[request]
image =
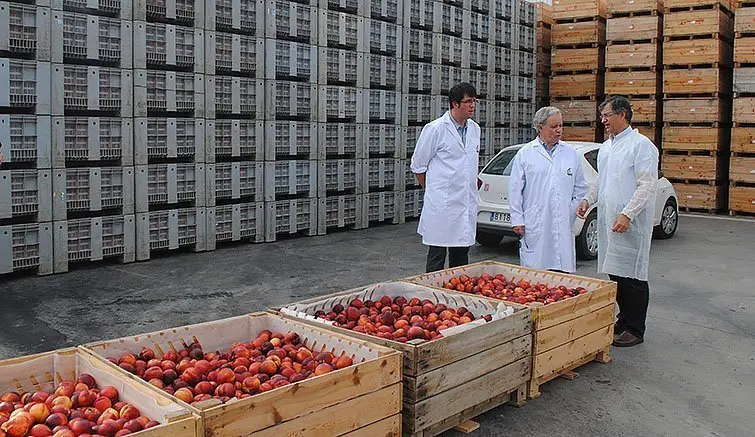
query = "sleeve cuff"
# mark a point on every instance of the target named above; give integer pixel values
(416, 170)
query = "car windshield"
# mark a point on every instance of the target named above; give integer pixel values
(501, 164)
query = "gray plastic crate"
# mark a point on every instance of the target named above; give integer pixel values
(26, 139)
(382, 140)
(503, 9)
(444, 77)
(26, 193)
(419, 14)
(384, 10)
(94, 239)
(170, 230)
(524, 113)
(236, 16)
(525, 63)
(382, 173)
(340, 30)
(92, 189)
(525, 37)
(81, 139)
(161, 92)
(350, 6)
(290, 217)
(418, 45)
(479, 29)
(160, 138)
(101, 89)
(481, 112)
(525, 89)
(290, 100)
(385, 206)
(295, 178)
(381, 71)
(339, 176)
(500, 85)
(410, 179)
(341, 139)
(526, 13)
(450, 50)
(115, 8)
(90, 38)
(227, 53)
(169, 184)
(340, 67)
(484, 149)
(287, 60)
(499, 138)
(234, 140)
(25, 86)
(168, 45)
(241, 221)
(450, 20)
(234, 181)
(501, 113)
(339, 212)
(340, 103)
(502, 33)
(382, 38)
(417, 78)
(382, 106)
(229, 96)
(418, 109)
(26, 247)
(525, 134)
(291, 21)
(479, 79)
(413, 201)
(287, 139)
(480, 55)
(500, 60)
(25, 30)
(410, 137)
(186, 12)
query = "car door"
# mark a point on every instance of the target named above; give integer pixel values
(494, 188)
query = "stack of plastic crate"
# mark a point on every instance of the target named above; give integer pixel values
(25, 139)
(92, 132)
(169, 126)
(523, 58)
(501, 124)
(235, 51)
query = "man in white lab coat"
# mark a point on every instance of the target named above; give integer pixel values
(445, 163)
(626, 190)
(545, 187)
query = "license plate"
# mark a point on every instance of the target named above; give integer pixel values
(503, 217)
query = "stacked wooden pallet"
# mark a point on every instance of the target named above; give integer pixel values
(578, 65)
(634, 62)
(544, 17)
(697, 83)
(742, 164)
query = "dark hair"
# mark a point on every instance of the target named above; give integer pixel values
(457, 93)
(618, 104)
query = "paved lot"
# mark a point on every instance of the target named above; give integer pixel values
(693, 376)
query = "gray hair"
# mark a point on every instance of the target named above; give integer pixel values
(542, 115)
(618, 104)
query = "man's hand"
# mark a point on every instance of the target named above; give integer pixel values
(519, 230)
(621, 224)
(582, 209)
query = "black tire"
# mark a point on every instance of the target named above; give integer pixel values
(669, 221)
(488, 240)
(584, 242)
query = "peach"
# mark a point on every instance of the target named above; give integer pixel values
(343, 361)
(80, 426)
(108, 428)
(16, 427)
(323, 368)
(122, 432)
(40, 430)
(102, 403)
(64, 401)
(129, 412)
(56, 419)
(65, 388)
(185, 395)
(225, 375)
(110, 413)
(269, 367)
(226, 389)
(63, 432)
(39, 412)
(190, 375)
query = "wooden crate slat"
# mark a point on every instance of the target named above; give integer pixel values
(549, 338)
(742, 169)
(696, 110)
(744, 80)
(697, 51)
(543, 37)
(744, 20)
(644, 110)
(592, 58)
(585, 32)
(742, 199)
(543, 13)
(698, 22)
(702, 196)
(549, 364)
(633, 28)
(578, 111)
(698, 80)
(640, 83)
(670, 4)
(389, 427)
(693, 138)
(709, 168)
(744, 110)
(572, 308)
(744, 50)
(580, 133)
(577, 85)
(649, 131)
(626, 6)
(632, 55)
(743, 139)
(569, 9)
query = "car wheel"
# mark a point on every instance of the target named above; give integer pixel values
(669, 221)
(489, 240)
(587, 240)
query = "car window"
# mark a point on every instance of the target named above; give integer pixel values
(592, 158)
(501, 164)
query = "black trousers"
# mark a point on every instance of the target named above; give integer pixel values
(633, 297)
(436, 257)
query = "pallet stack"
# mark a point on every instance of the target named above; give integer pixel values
(544, 13)
(742, 163)
(697, 83)
(524, 69)
(578, 66)
(634, 31)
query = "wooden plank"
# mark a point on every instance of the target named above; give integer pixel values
(700, 195)
(467, 426)
(633, 28)
(592, 58)
(550, 338)
(576, 85)
(644, 110)
(692, 167)
(568, 309)
(691, 3)
(579, 133)
(697, 51)
(742, 199)
(744, 20)
(743, 139)
(698, 80)
(543, 13)
(632, 55)
(337, 419)
(578, 111)
(554, 361)
(586, 32)
(649, 131)
(543, 60)
(744, 110)
(388, 427)
(692, 138)
(626, 6)
(543, 37)
(744, 79)
(568, 9)
(632, 83)
(695, 110)
(698, 22)
(742, 169)
(744, 50)
(439, 380)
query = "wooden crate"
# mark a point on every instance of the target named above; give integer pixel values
(581, 133)
(640, 55)
(698, 22)
(543, 59)
(695, 110)
(693, 138)
(584, 32)
(693, 167)
(543, 13)
(570, 60)
(744, 50)
(614, 7)
(343, 401)
(673, 4)
(744, 21)
(744, 80)
(566, 334)
(742, 199)
(697, 81)
(634, 28)
(571, 9)
(650, 131)
(744, 110)
(543, 36)
(644, 110)
(578, 111)
(697, 51)
(447, 376)
(742, 169)
(704, 196)
(577, 85)
(743, 139)
(628, 83)
(44, 371)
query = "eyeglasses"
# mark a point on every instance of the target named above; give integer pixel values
(605, 116)
(467, 101)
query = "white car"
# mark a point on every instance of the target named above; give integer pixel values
(494, 218)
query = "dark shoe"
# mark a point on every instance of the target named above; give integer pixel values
(618, 329)
(626, 339)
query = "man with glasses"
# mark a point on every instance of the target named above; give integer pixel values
(546, 184)
(445, 163)
(625, 192)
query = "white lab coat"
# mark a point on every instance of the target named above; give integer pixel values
(627, 182)
(449, 213)
(544, 192)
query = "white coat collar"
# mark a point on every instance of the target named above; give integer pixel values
(622, 134)
(451, 125)
(540, 147)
